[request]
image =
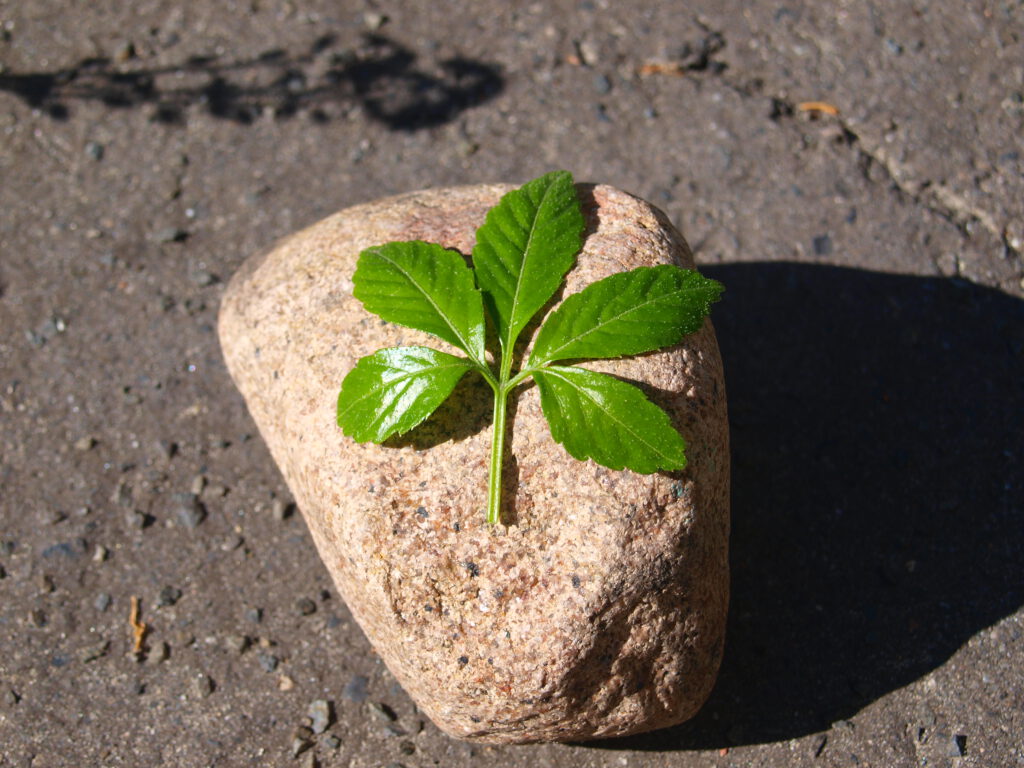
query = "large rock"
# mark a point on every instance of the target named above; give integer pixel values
(601, 610)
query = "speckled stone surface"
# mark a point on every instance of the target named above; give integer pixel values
(601, 610)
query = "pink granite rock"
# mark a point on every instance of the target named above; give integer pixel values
(601, 611)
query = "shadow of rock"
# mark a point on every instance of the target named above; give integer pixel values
(878, 503)
(325, 81)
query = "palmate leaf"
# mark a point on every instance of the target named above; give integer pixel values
(596, 416)
(423, 286)
(625, 314)
(394, 389)
(527, 243)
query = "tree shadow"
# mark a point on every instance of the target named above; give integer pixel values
(381, 75)
(877, 426)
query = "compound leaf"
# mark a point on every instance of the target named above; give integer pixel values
(394, 389)
(625, 314)
(599, 417)
(423, 286)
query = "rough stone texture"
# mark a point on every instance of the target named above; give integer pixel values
(601, 611)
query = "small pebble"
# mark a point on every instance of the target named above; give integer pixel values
(189, 509)
(957, 746)
(203, 278)
(407, 748)
(281, 510)
(101, 554)
(198, 484)
(374, 20)
(320, 715)
(331, 741)
(588, 52)
(138, 519)
(254, 615)
(166, 448)
(51, 516)
(382, 711)
(308, 760)
(216, 491)
(268, 661)
(168, 596)
(285, 683)
(305, 606)
(395, 730)
(182, 638)
(93, 652)
(237, 643)
(102, 601)
(822, 245)
(171, 235)
(94, 150)
(37, 617)
(122, 494)
(602, 84)
(302, 739)
(124, 52)
(158, 653)
(85, 443)
(46, 584)
(202, 685)
(11, 698)
(818, 745)
(355, 689)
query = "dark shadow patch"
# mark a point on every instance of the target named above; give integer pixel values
(877, 426)
(383, 76)
(468, 410)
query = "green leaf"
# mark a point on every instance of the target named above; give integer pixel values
(598, 417)
(625, 314)
(423, 286)
(527, 243)
(394, 389)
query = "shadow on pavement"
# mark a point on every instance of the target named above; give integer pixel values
(878, 501)
(381, 75)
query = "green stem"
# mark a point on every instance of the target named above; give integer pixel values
(497, 456)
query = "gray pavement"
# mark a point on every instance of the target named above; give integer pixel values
(873, 334)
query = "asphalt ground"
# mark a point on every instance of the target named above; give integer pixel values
(853, 173)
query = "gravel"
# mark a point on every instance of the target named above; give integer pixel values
(189, 509)
(158, 652)
(331, 741)
(302, 739)
(281, 510)
(168, 596)
(202, 685)
(268, 661)
(382, 711)
(237, 643)
(321, 714)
